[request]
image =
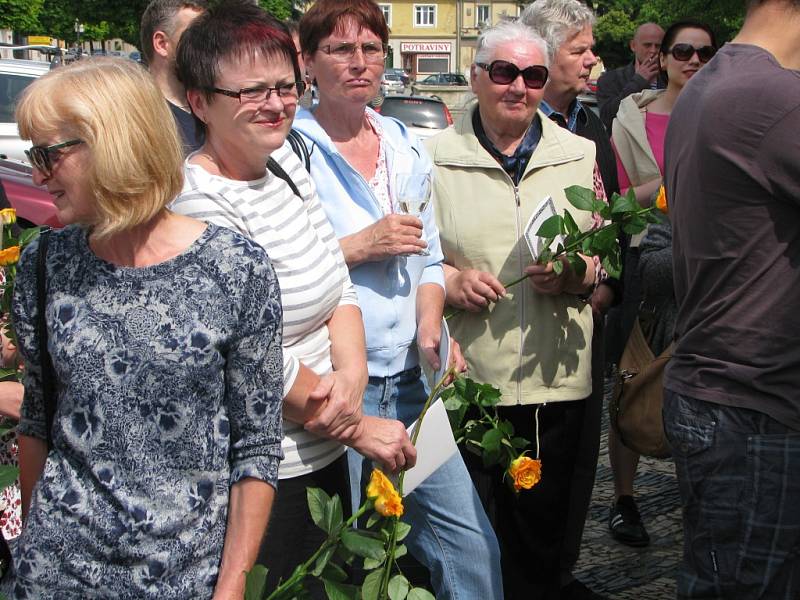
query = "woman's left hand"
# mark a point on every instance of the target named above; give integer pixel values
(342, 393)
(429, 333)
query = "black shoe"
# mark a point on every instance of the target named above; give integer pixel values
(575, 590)
(626, 525)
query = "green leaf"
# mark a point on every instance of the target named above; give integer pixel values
(28, 235)
(371, 588)
(402, 531)
(604, 240)
(372, 563)
(333, 516)
(577, 263)
(580, 197)
(488, 395)
(419, 594)
(519, 442)
(558, 267)
(255, 583)
(373, 519)
(625, 204)
(322, 560)
(362, 544)
(398, 587)
(317, 500)
(400, 550)
(8, 476)
(492, 457)
(340, 591)
(456, 417)
(634, 225)
(491, 440)
(552, 227)
(571, 225)
(506, 427)
(334, 572)
(611, 264)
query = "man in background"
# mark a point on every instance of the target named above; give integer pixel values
(732, 397)
(642, 73)
(163, 23)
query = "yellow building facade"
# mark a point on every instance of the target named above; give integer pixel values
(439, 37)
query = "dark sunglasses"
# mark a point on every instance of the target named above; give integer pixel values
(685, 51)
(44, 157)
(503, 72)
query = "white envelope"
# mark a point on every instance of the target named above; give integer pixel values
(435, 445)
(544, 211)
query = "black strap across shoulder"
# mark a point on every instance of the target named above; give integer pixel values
(299, 147)
(46, 363)
(278, 171)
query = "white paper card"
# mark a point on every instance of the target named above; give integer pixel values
(544, 211)
(444, 357)
(435, 445)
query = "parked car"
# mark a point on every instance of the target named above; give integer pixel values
(401, 72)
(391, 82)
(136, 56)
(423, 115)
(444, 79)
(15, 76)
(33, 204)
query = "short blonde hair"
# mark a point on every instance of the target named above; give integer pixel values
(115, 108)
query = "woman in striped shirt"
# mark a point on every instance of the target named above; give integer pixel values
(240, 70)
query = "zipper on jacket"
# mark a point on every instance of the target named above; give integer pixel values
(522, 292)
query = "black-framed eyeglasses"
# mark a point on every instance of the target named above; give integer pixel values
(503, 72)
(44, 157)
(343, 51)
(287, 92)
(683, 52)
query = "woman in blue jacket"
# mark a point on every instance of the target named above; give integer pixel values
(355, 157)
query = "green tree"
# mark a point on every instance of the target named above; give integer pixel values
(281, 9)
(618, 19)
(20, 15)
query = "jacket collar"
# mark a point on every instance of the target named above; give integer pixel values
(460, 146)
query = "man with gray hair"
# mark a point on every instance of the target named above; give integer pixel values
(493, 169)
(163, 23)
(642, 73)
(567, 26)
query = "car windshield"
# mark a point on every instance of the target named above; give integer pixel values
(11, 87)
(415, 112)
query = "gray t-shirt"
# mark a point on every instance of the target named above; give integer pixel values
(732, 164)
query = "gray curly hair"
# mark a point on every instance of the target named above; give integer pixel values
(555, 20)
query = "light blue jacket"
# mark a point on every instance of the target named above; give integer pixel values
(387, 290)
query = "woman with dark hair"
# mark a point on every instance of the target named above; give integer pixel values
(638, 134)
(395, 263)
(242, 77)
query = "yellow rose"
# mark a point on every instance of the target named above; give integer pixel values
(9, 256)
(387, 501)
(8, 216)
(661, 200)
(526, 472)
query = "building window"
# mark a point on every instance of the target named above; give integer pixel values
(482, 15)
(386, 9)
(424, 15)
(433, 64)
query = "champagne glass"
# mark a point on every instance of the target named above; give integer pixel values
(412, 194)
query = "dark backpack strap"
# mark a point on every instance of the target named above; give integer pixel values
(278, 171)
(46, 363)
(299, 147)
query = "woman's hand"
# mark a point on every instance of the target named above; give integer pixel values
(546, 281)
(457, 360)
(393, 235)
(471, 289)
(11, 393)
(429, 333)
(341, 393)
(384, 441)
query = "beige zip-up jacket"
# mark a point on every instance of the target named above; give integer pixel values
(535, 348)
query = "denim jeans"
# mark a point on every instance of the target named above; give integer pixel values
(450, 533)
(740, 490)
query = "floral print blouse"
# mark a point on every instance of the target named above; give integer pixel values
(170, 383)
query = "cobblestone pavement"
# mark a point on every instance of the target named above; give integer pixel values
(619, 571)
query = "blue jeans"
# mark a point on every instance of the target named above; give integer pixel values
(738, 476)
(450, 533)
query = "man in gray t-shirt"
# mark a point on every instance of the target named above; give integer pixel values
(732, 401)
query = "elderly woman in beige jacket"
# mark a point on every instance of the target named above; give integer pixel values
(492, 171)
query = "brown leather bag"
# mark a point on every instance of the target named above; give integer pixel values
(635, 406)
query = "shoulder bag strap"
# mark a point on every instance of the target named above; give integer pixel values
(299, 147)
(46, 363)
(278, 171)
